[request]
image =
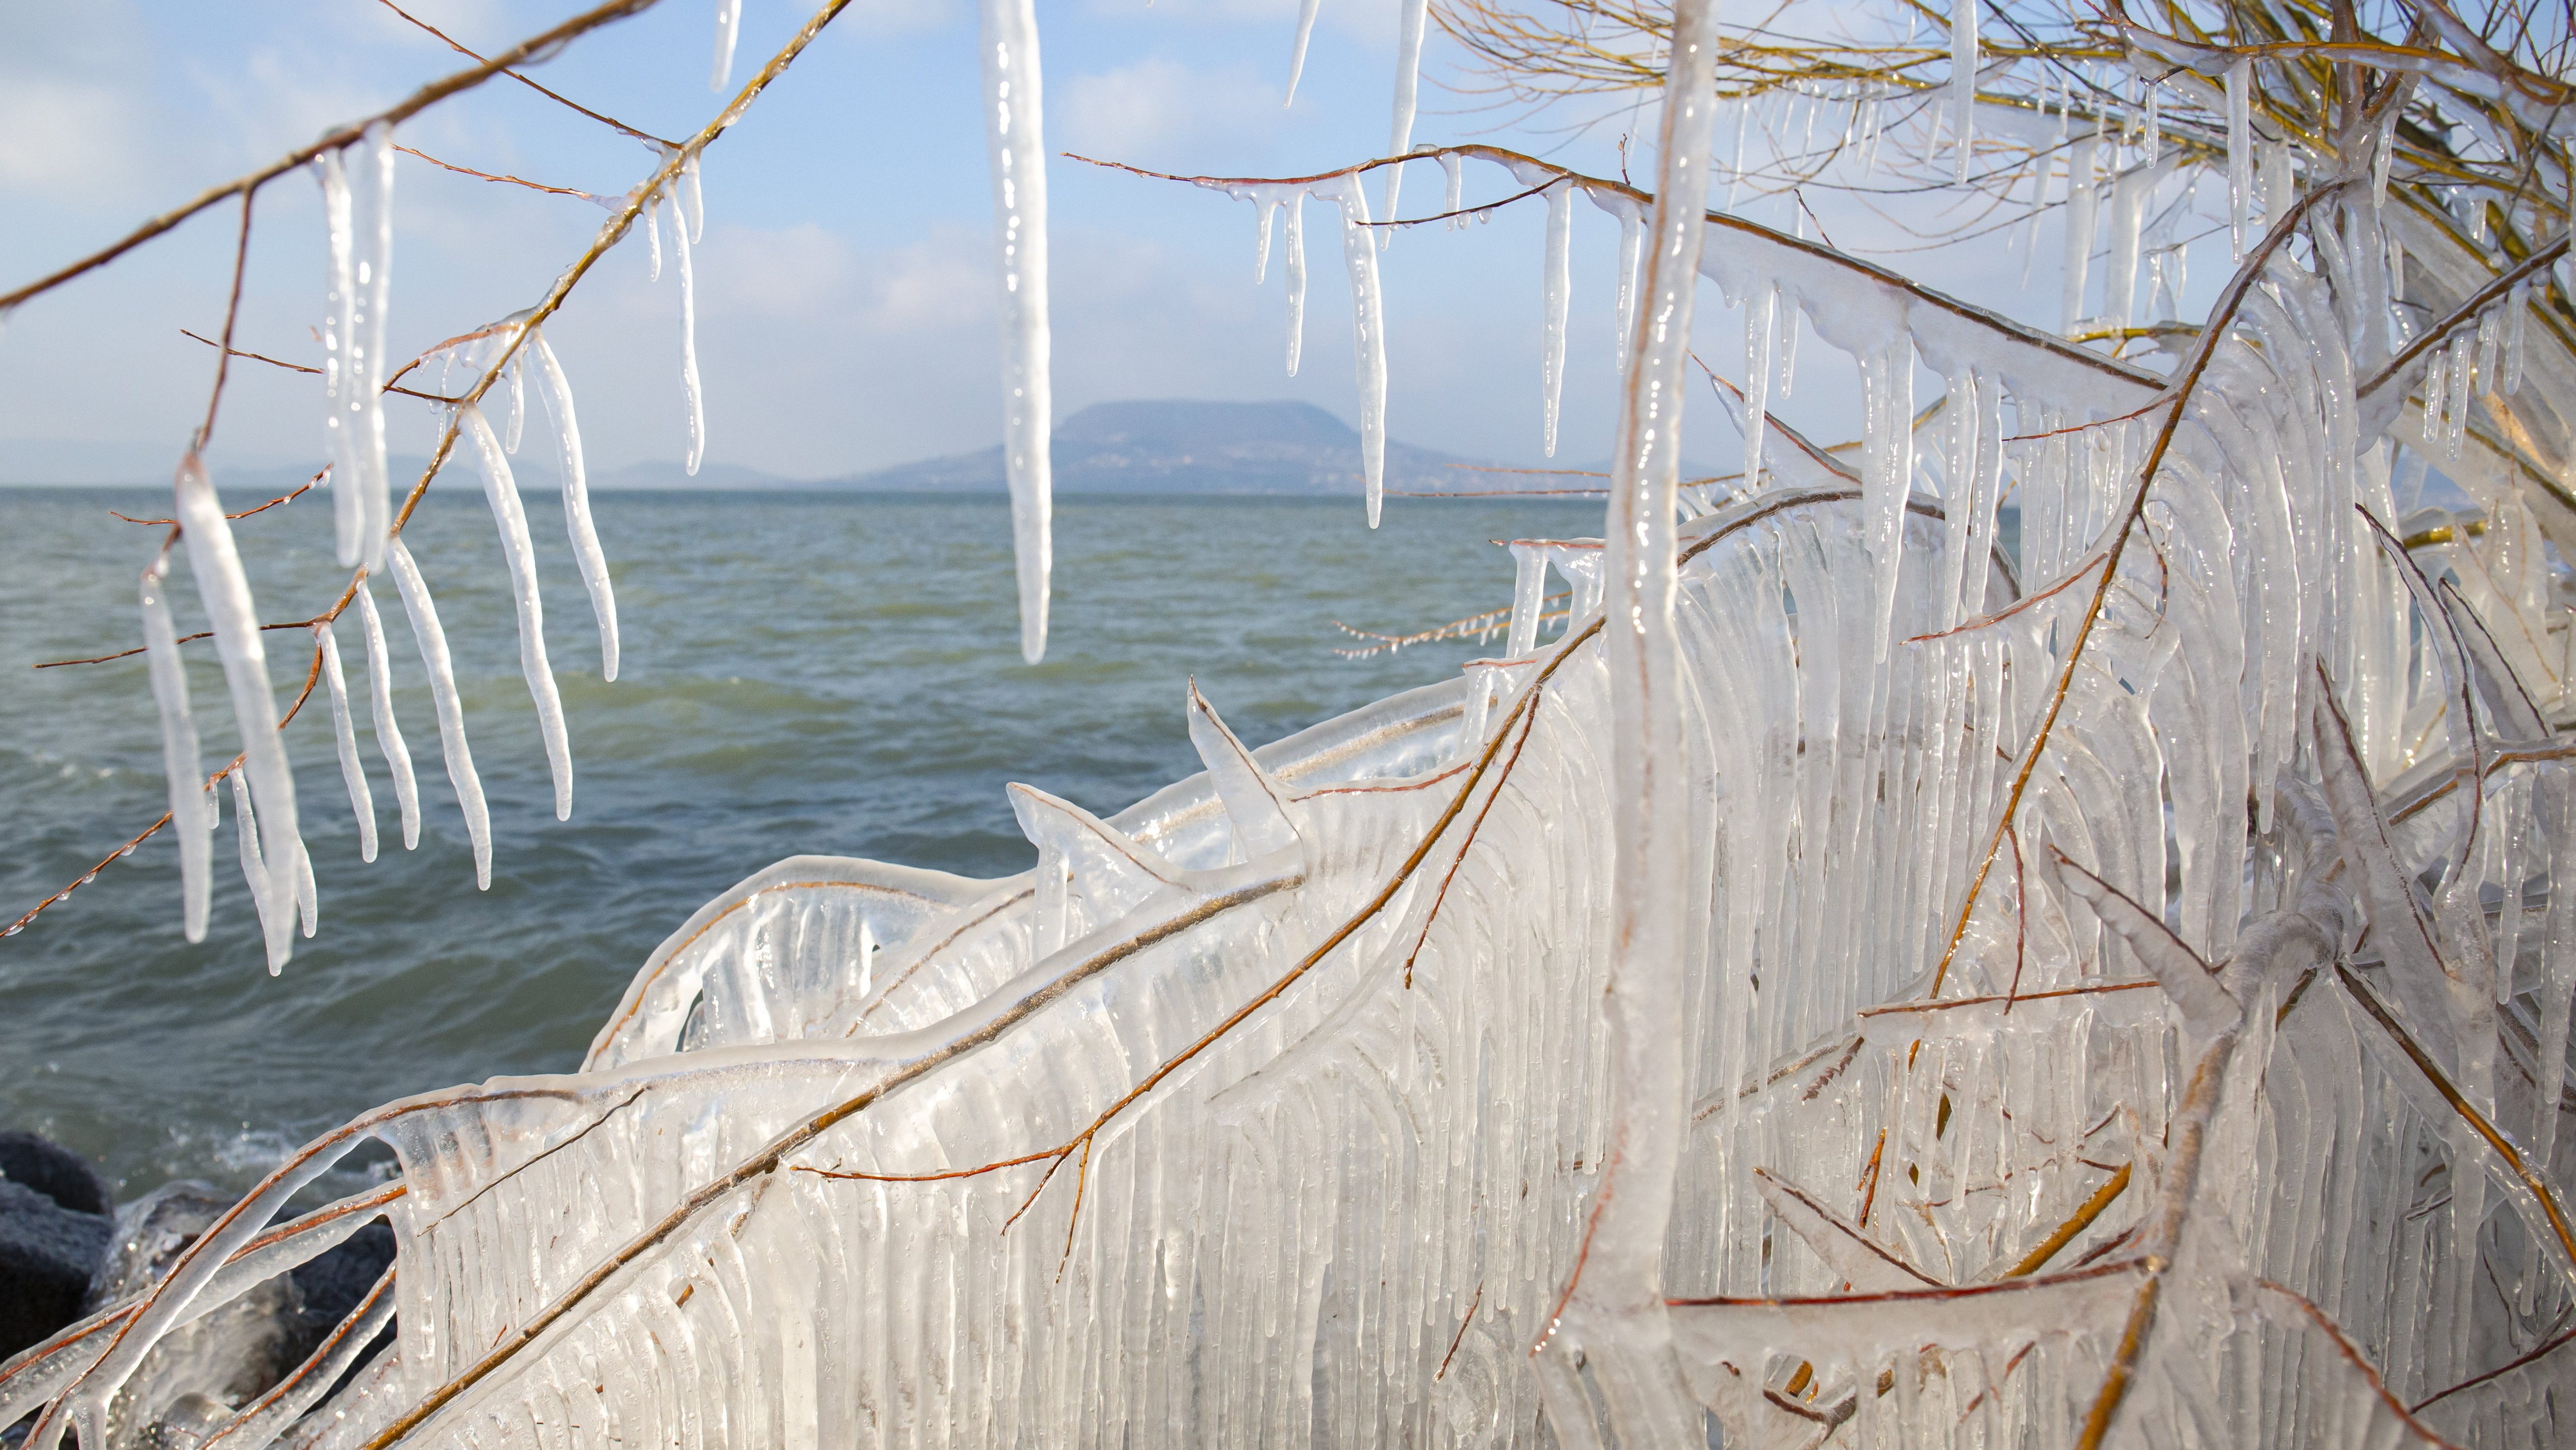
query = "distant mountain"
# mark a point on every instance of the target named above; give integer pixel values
(1186, 446)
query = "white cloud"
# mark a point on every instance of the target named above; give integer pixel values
(1162, 113)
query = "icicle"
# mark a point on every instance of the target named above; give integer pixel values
(1554, 300)
(1306, 13)
(362, 802)
(1529, 595)
(263, 897)
(2081, 202)
(1649, 833)
(2279, 188)
(2155, 123)
(451, 712)
(1368, 329)
(2437, 382)
(340, 382)
(308, 897)
(2480, 230)
(1761, 332)
(576, 500)
(502, 492)
(1452, 200)
(1411, 17)
(1632, 241)
(653, 235)
(374, 279)
(2457, 431)
(2517, 308)
(1265, 211)
(1012, 114)
(1735, 168)
(1296, 277)
(180, 759)
(2240, 155)
(728, 21)
(1887, 384)
(389, 736)
(689, 348)
(1963, 79)
(225, 591)
(690, 201)
(2490, 337)
(2130, 196)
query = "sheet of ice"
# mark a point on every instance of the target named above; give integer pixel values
(344, 733)
(501, 491)
(451, 711)
(1012, 116)
(181, 759)
(389, 736)
(225, 591)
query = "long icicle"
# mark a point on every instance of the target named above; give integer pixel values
(728, 23)
(1632, 242)
(255, 873)
(689, 345)
(1555, 290)
(1306, 13)
(340, 382)
(1296, 278)
(180, 755)
(374, 280)
(353, 772)
(2240, 156)
(1963, 80)
(1368, 330)
(1012, 114)
(225, 591)
(557, 391)
(451, 712)
(389, 736)
(1411, 18)
(501, 490)
(1615, 1304)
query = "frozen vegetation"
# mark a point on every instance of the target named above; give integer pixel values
(1874, 976)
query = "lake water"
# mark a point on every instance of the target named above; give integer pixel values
(824, 673)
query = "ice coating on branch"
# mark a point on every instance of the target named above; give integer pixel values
(1307, 10)
(451, 711)
(2240, 155)
(557, 391)
(1368, 329)
(225, 592)
(1963, 81)
(180, 757)
(1296, 277)
(689, 348)
(344, 734)
(1555, 293)
(389, 736)
(1412, 16)
(1012, 113)
(728, 21)
(501, 490)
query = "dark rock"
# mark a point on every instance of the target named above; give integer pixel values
(330, 1286)
(47, 1253)
(54, 1171)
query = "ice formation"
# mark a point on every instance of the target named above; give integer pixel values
(1884, 974)
(1012, 116)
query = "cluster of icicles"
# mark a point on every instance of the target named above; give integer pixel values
(2216, 1064)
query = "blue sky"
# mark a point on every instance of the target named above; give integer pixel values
(845, 303)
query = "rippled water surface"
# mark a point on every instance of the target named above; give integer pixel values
(802, 673)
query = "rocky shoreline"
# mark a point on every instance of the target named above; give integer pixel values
(68, 1250)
